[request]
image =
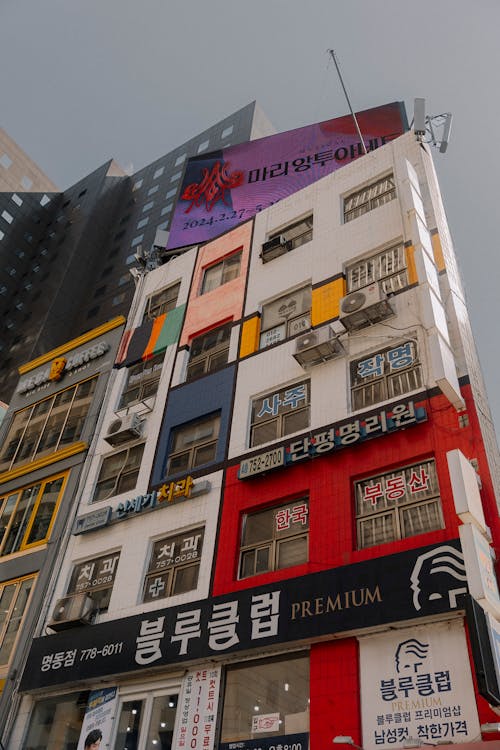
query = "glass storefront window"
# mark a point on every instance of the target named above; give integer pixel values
(56, 722)
(129, 725)
(277, 686)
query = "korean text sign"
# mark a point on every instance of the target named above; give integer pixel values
(224, 188)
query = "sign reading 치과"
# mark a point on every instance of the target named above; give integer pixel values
(225, 188)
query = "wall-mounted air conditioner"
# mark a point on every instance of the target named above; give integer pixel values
(274, 248)
(364, 307)
(70, 611)
(316, 346)
(123, 429)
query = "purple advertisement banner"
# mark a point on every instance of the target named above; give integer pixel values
(225, 188)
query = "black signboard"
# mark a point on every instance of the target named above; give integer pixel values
(484, 663)
(412, 584)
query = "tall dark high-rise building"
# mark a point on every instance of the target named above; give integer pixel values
(65, 255)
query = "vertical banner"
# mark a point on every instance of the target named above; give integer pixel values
(198, 710)
(416, 684)
(98, 719)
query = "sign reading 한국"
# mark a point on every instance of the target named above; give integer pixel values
(225, 188)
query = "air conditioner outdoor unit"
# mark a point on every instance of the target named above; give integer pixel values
(124, 429)
(274, 248)
(70, 611)
(317, 346)
(364, 307)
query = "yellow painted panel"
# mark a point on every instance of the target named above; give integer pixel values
(438, 252)
(410, 264)
(2, 684)
(250, 336)
(73, 344)
(325, 301)
(19, 471)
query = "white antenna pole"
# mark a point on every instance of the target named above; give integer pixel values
(332, 53)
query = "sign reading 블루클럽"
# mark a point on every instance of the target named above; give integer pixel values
(225, 188)
(406, 586)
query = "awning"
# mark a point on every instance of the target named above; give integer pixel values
(152, 337)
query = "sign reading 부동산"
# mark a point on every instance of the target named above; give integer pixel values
(225, 188)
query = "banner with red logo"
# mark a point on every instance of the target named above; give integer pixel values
(225, 188)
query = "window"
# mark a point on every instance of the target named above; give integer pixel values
(227, 131)
(142, 381)
(221, 273)
(286, 316)
(56, 722)
(147, 206)
(294, 235)
(14, 601)
(369, 197)
(7, 217)
(27, 516)
(82, 193)
(95, 577)
(118, 473)
(174, 565)
(166, 210)
(17, 200)
(153, 190)
(175, 176)
(158, 173)
(280, 413)
(142, 223)
(6, 161)
(44, 200)
(389, 373)
(203, 146)
(171, 193)
(275, 687)
(387, 267)
(146, 721)
(48, 425)
(274, 538)
(161, 302)
(398, 504)
(193, 444)
(179, 160)
(137, 240)
(137, 184)
(209, 352)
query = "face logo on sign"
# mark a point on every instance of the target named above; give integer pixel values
(434, 575)
(410, 655)
(57, 368)
(213, 186)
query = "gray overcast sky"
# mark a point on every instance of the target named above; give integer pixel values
(81, 82)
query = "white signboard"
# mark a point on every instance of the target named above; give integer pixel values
(198, 709)
(98, 719)
(480, 568)
(464, 484)
(265, 723)
(416, 683)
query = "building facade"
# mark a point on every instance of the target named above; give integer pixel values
(65, 255)
(292, 495)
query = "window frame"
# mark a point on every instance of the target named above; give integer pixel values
(207, 356)
(295, 240)
(221, 268)
(384, 387)
(365, 204)
(156, 305)
(25, 544)
(274, 542)
(177, 432)
(124, 471)
(150, 373)
(171, 573)
(395, 512)
(107, 589)
(22, 429)
(280, 419)
(4, 628)
(370, 270)
(294, 324)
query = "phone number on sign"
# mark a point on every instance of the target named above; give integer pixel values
(269, 460)
(107, 650)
